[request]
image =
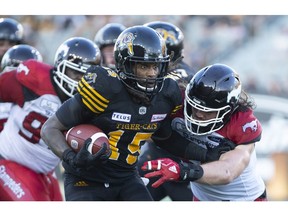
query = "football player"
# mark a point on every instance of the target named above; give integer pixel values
(37, 90)
(182, 72)
(129, 105)
(11, 33)
(10, 61)
(105, 39)
(216, 110)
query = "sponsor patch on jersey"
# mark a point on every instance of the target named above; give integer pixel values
(158, 117)
(49, 105)
(122, 117)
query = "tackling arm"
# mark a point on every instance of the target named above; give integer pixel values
(181, 147)
(230, 165)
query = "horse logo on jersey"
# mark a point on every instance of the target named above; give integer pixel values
(126, 41)
(253, 125)
(24, 68)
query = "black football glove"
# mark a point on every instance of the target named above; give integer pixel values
(84, 159)
(214, 152)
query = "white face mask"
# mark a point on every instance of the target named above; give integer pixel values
(65, 83)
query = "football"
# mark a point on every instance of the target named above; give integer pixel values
(77, 135)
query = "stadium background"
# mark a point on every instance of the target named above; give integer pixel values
(255, 45)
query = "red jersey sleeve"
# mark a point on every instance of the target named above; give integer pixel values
(35, 76)
(10, 88)
(243, 128)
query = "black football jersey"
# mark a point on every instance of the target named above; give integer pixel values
(182, 71)
(105, 102)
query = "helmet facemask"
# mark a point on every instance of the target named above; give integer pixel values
(148, 86)
(214, 92)
(202, 127)
(65, 83)
(72, 59)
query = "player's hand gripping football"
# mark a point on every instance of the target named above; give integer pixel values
(169, 170)
(84, 158)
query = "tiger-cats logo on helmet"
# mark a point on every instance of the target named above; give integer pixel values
(126, 41)
(167, 35)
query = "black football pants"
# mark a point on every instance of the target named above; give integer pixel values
(77, 189)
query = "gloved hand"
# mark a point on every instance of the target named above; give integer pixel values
(169, 170)
(84, 159)
(214, 152)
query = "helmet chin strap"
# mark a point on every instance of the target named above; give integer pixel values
(145, 89)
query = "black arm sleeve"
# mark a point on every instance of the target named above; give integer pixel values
(181, 147)
(72, 112)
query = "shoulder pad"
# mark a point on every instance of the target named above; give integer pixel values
(95, 87)
(35, 76)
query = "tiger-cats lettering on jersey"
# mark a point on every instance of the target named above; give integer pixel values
(137, 127)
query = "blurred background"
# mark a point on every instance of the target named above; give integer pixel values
(255, 45)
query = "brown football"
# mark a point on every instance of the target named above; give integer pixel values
(77, 135)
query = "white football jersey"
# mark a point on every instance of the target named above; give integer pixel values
(248, 186)
(20, 139)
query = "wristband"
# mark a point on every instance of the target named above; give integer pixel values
(190, 171)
